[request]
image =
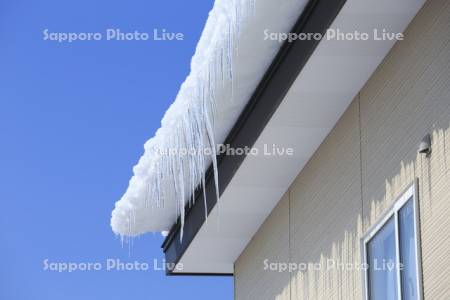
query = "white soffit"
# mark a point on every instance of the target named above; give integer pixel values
(328, 83)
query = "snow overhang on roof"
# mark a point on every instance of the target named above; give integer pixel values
(225, 71)
(306, 87)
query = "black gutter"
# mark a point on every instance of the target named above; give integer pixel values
(290, 60)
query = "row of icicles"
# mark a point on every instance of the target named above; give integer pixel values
(194, 128)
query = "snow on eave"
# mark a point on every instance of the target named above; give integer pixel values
(203, 112)
(187, 124)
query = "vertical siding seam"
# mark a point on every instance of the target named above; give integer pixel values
(360, 162)
(361, 177)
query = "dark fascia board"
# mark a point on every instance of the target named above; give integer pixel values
(290, 60)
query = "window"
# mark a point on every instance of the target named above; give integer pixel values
(391, 252)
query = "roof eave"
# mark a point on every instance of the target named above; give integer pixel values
(290, 60)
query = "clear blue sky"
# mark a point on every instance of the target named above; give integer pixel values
(73, 120)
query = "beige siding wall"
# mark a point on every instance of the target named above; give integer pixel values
(366, 162)
(407, 97)
(251, 281)
(325, 215)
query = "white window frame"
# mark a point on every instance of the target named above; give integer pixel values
(411, 191)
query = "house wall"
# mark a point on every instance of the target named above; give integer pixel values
(365, 163)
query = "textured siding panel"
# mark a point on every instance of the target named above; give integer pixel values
(326, 210)
(271, 243)
(326, 216)
(407, 97)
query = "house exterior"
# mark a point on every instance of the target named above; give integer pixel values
(361, 169)
(369, 185)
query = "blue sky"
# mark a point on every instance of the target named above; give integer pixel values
(73, 120)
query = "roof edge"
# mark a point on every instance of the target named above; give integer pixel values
(317, 16)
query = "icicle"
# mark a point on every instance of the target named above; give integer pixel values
(192, 127)
(210, 132)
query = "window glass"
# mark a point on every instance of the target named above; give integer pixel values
(381, 256)
(408, 251)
